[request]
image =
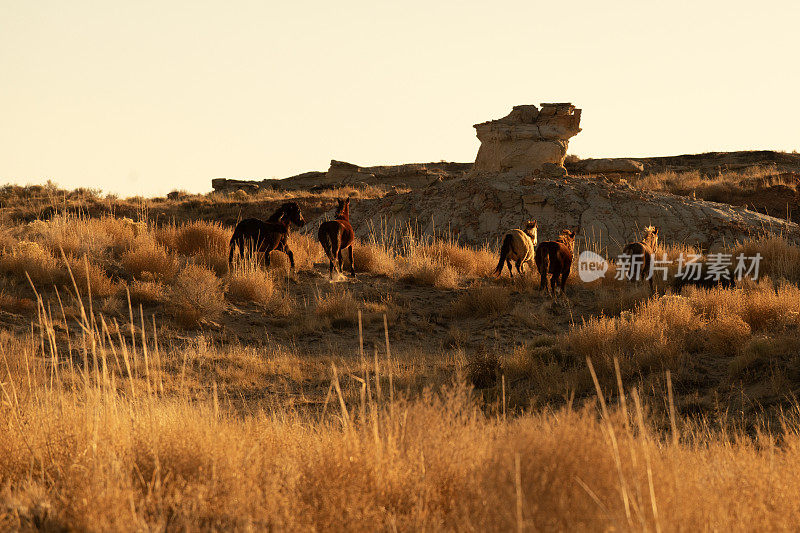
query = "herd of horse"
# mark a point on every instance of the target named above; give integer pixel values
(260, 238)
(553, 259)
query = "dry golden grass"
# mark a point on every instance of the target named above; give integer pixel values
(200, 237)
(482, 300)
(35, 260)
(466, 261)
(423, 270)
(149, 259)
(663, 332)
(436, 462)
(250, 283)
(780, 258)
(148, 292)
(338, 307)
(715, 188)
(196, 296)
(374, 258)
(306, 250)
(204, 434)
(91, 278)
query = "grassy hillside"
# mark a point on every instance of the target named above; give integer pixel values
(144, 384)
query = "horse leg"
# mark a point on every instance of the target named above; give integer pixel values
(288, 252)
(564, 276)
(352, 263)
(519, 264)
(510, 271)
(339, 257)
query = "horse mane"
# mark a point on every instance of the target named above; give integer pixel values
(281, 212)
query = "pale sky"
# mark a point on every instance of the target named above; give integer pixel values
(143, 97)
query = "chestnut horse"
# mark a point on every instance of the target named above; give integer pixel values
(640, 255)
(555, 257)
(338, 235)
(263, 237)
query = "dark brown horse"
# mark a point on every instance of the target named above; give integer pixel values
(338, 235)
(263, 237)
(555, 257)
(640, 256)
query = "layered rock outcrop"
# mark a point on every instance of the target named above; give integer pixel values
(528, 139)
(340, 173)
(481, 208)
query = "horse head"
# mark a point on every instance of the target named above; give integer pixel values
(343, 209)
(567, 238)
(650, 237)
(531, 228)
(292, 212)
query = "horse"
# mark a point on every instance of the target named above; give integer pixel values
(641, 255)
(519, 245)
(264, 237)
(338, 235)
(555, 257)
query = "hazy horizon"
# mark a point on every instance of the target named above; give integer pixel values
(148, 97)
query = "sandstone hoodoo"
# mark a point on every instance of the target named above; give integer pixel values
(528, 139)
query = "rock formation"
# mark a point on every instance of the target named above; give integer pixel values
(528, 139)
(610, 166)
(480, 209)
(340, 173)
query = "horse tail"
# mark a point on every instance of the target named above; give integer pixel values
(232, 247)
(504, 250)
(327, 242)
(544, 267)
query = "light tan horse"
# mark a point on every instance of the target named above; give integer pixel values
(641, 255)
(519, 245)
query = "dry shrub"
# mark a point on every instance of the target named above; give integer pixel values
(664, 331)
(762, 352)
(423, 270)
(780, 258)
(482, 300)
(339, 307)
(147, 292)
(760, 305)
(33, 258)
(279, 265)
(306, 250)
(466, 261)
(483, 369)
(91, 278)
(148, 259)
(78, 235)
(655, 333)
(250, 283)
(7, 239)
(16, 304)
(203, 238)
(374, 258)
(196, 296)
(725, 334)
(207, 242)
